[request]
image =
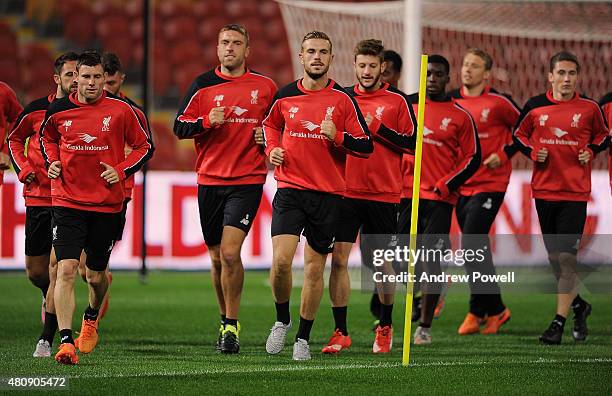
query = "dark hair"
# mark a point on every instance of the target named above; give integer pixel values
(371, 47)
(111, 63)
(390, 55)
(482, 54)
(62, 59)
(564, 56)
(439, 59)
(89, 58)
(317, 35)
(236, 28)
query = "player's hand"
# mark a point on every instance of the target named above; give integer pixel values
(493, 161)
(328, 128)
(54, 170)
(5, 161)
(277, 156)
(29, 178)
(368, 119)
(584, 156)
(542, 155)
(216, 116)
(259, 136)
(110, 174)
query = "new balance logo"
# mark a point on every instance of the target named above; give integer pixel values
(484, 115)
(112, 245)
(576, 120)
(254, 94)
(311, 126)
(64, 338)
(87, 138)
(292, 111)
(379, 111)
(239, 110)
(559, 132)
(54, 233)
(106, 124)
(543, 118)
(245, 221)
(66, 124)
(444, 124)
(218, 99)
(488, 204)
(331, 245)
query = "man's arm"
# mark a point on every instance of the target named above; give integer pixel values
(17, 139)
(139, 139)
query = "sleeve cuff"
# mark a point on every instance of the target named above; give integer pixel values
(443, 189)
(25, 171)
(268, 149)
(206, 123)
(339, 138)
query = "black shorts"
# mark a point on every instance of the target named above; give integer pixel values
(314, 213)
(75, 230)
(404, 216)
(123, 219)
(222, 206)
(373, 217)
(38, 230)
(562, 224)
(476, 213)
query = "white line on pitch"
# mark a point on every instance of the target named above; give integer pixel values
(298, 367)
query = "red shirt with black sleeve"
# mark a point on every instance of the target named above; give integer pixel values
(495, 116)
(379, 178)
(9, 111)
(606, 106)
(451, 152)
(80, 136)
(564, 128)
(311, 161)
(38, 192)
(227, 153)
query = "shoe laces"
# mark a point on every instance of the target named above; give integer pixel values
(383, 334)
(89, 327)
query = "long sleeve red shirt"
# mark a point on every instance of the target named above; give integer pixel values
(227, 154)
(81, 136)
(9, 111)
(379, 177)
(606, 106)
(311, 161)
(495, 116)
(564, 129)
(38, 192)
(451, 152)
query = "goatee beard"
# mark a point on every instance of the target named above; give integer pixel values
(315, 76)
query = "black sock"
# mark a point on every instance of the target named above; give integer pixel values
(44, 290)
(282, 312)
(375, 305)
(222, 319)
(559, 319)
(231, 322)
(66, 336)
(340, 319)
(423, 325)
(304, 330)
(386, 315)
(49, 328)
(91, 314)
(578, 304)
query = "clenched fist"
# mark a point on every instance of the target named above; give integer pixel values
(277, 156)
(216, 116)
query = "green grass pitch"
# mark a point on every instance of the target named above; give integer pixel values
(159, 339)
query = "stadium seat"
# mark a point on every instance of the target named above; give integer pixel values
(181, 28)
(10, 72)
(162, 77)
(184, 76)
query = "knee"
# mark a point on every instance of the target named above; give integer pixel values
(339, 263)
(282, 264)
(313, 272)
(66, 271)
(95, 278)
(230, 255)
(37, 269)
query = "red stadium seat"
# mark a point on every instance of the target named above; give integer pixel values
(185, 51)
(184, 76)
(162, 77)
(181, 28)
(10, 72)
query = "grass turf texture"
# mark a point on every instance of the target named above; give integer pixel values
(159, 338)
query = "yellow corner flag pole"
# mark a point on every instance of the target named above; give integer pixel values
(415, 210)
